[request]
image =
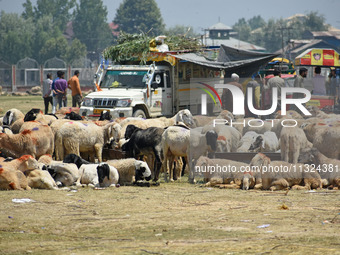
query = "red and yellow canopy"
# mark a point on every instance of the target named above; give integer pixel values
(318, 57)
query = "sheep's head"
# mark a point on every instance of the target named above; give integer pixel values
(307, 156)
(103, 170)
(257, 144)
(260, 160)
(185, 117)
(211, 138)
(142, 171)
(248, 181)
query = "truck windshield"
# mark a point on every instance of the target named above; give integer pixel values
(124, 78)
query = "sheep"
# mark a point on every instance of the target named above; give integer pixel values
(131, 170)
(76, 137)
(24, 163)
(11, 116)
(328, 168)
(231, 134)
(291, 114)
(222, 172)
(75, 159)
(200, 145)
(35, 142)
(175, 142)
(145, 142)
(64, 174)
(40, 179)
(267, 142)
(12, 180)
(246, 141)
(6, 130)
(98, 175)
(73, 116)
(105, 115)
(292, 140)
(12, 173)
(278, 175)
(325, 138)
(183, 116)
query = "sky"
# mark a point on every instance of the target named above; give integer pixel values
(201, 14)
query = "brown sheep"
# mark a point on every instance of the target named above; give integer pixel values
(326, 138)
(329, 168)
(12, 173)
(224, 173)
(278, 175)
(35, 142)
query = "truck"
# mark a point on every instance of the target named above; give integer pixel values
(161, 88)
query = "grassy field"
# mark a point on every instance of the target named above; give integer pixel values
(173, 218)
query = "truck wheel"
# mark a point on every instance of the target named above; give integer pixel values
(139, 113)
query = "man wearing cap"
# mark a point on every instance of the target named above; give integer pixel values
(227, 97)
(299, 82)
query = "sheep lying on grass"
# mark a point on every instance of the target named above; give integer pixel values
(131, 170)
(328, 168)
(278, 175)
(223, 173)
(98, 175)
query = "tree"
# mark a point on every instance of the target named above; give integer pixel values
(256, 22)
(135, 16)
(315, 22)
(16, 36)
(243, 29)
(58, 10)
(90, 26)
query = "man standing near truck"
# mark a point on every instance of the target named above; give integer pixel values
(74, 85)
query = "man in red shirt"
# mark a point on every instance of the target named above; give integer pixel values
(74, 85)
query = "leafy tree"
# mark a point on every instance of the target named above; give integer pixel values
(58, 10)
(135, 16)
(243, 29)
(256, 22)
(28, 12)
(90, 25)
(75, 51)
(15, 37)
(315, 22)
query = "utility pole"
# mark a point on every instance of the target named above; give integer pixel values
(282, 29)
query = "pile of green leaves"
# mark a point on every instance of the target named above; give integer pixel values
(132, 47)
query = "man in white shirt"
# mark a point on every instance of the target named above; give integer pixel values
(319, 82)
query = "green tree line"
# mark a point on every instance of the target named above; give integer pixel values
(41, 32)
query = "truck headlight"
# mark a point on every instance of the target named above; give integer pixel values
(123, 102)
(87, 101)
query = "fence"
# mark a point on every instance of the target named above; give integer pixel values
(27, 73)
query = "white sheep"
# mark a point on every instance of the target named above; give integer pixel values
(231, 134)
(292, 140)
(267, 142)
(201, 144)
(246, 141)
(131, 170)
(76, 137)
(175, 143)
(98, 175)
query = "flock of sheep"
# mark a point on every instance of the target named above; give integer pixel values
(50, 152)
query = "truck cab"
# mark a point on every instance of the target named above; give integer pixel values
(130, 90)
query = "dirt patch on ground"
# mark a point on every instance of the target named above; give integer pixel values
(174, 218)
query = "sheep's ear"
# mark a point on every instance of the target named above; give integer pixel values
(109, 130)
